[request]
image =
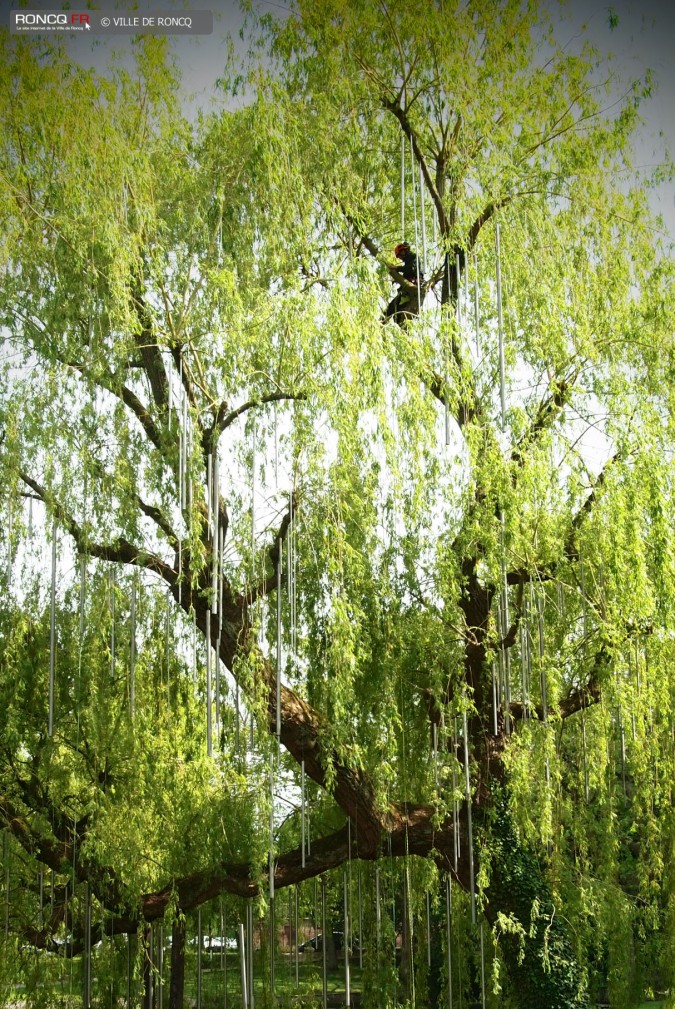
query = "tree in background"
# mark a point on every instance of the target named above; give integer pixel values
(384, 570)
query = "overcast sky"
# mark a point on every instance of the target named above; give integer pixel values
(644, 38)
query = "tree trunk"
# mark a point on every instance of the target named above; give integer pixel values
(177, 982)
(542, 966)
(331, 952)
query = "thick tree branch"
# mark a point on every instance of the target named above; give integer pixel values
(128, 397)
(547, 413)
(394, 106)
(570, 550)
(64, 857)
(225, 418)
(120, 551)
(153, 364)
(274, 554)
(159, 519)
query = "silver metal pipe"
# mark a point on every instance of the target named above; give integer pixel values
(52, 638)
(500, 321)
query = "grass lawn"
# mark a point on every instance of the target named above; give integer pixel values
(220, 984)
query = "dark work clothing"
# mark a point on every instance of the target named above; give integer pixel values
(411, 268)
(406, 304)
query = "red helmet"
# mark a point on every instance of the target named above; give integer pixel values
(401, 248)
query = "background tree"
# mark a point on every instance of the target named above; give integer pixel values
(198, 388)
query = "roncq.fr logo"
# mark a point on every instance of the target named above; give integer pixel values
(48, 19)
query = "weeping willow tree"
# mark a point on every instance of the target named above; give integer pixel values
(260, 548)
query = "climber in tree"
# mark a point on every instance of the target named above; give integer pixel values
(407, 303)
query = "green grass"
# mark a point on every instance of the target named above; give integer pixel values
(289, 993)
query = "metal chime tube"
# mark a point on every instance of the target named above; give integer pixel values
(276, 447)
(414, 189)
(209, 729)
(455, 823)
(216, 663)
(428, 903)
(160, 964)
(181, 437)
(289, 583)
(271, 849)
(272, 945)
(132, 650)
(83, 592)
(170, 392)
(528, 662)
(482, 966)
(495, 730)
(9, 541)
(223, 951)
(540, 623)
(167, 648)
(302, 811)
(242, 966)
(632, 713)
(309, 834)
(128, 971)
(623, 753)
(52, 637)
(87, 947)
(186, 450)
(253, 466)
(358, 880)
(523, 670)
(500, 322)
(544, 701)
(393, 899)
(434, 747)
(290, 574)
(585, 632)
(221, 573)
(323, 942)
(378, 908)
(446, 403)
(251, 992)
(409, 927)
(113, 582)
(5, 856)
(279, 644)
(316, 907)
(467, 781)
(448, 921)
(424, 226)
(199, 958)
(290, 933)
(216, 532)
(583, 595)
(458, 306)
(295, 930)
(237, 718)
(403, 189)
(209, 491)
(348, 997)
(584, 752)
(475, 304)
(221, 569)
(506, 657)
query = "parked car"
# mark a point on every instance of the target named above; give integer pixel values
(216, 943)
(316, 943)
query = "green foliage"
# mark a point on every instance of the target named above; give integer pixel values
(240, 254)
